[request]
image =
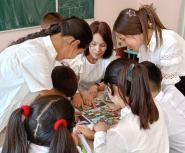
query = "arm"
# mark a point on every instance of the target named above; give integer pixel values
(169, 64)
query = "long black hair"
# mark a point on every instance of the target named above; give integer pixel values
(73, 26)
(38, 127)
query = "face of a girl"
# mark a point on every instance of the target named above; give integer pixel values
(97, 47)
(131, 41)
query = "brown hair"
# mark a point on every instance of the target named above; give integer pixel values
(104, 30)
(132, 22)
(134, 83)
(50, 18)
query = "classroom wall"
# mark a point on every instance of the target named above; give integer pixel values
(108, 10)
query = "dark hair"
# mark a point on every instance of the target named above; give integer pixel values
(154, 74)
(50, 18)
(140, 97)
(132, 22)
(64, 80)
(112, 72)
(104, 30)
(38, 128)
(73, 26)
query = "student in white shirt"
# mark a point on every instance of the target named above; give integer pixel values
(44, 127)
(142, 127)
(91, 65)
(172, 102)
(26, 66)
(142, 31)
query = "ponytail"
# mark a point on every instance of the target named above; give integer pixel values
(150, 20)
(53, 29)
(16, 137)
(62, 142)
(140, 98)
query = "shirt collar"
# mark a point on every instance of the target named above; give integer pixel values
(49, 46)
(159, 96)
(36, 148)
(125, 111)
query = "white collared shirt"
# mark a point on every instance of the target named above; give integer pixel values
(170, 57)
(127, 137)
(88, 73)
(33, 148)
(25, 69)
(172, 102)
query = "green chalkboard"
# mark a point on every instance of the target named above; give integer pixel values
(23, 13)
(80, 8)
(26, 13)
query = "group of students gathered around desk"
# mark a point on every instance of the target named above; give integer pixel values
(46, 75)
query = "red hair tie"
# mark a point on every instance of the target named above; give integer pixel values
(60, 122)
(26, 110)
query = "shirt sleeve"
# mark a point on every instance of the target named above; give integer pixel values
(36, 71)
(109, 143)
(169, 63)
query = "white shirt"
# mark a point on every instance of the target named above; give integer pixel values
(170, 57)
(25, 69)
(127, 137)
(172, 102)
(88, 73)
(33, 148)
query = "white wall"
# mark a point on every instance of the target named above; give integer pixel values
(108, 10)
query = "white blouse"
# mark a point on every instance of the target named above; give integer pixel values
(25, 69)
(127, 137)
(172, 102)
(170, 57)
(88, 73)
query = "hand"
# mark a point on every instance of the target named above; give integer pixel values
(87, 98)
(114, 107)
(75, 138)
(93, 90)
(77, 100)
(89, 134)
(101, 126)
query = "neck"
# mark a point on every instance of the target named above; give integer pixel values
(51, 92)
(154, 93)
(91, 59)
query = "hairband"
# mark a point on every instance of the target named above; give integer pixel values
(129, 72)
(25, 110)
(131, 13)
(60, 122)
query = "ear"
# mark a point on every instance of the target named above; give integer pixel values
(69, 39)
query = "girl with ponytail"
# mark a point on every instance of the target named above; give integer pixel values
(26, 65)
(141, 128)
(142, 31)
(43, 127)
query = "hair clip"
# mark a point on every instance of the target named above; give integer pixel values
(26, 110)
(129, 72)
(131, 13)
(60, 122)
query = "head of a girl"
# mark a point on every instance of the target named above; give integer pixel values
(135, 27)
(47, 122)
(69, 37)
(133, 86)
(101, 45)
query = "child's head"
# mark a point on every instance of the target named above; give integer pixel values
(134, 84)
(48, 122)
(112, 73)
(50, 18)
(154, 74)
(102, 44)
(64, 80)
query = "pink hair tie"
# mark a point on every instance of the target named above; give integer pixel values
(60, 122)
(26, 110)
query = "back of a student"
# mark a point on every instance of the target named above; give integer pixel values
(173, 104)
